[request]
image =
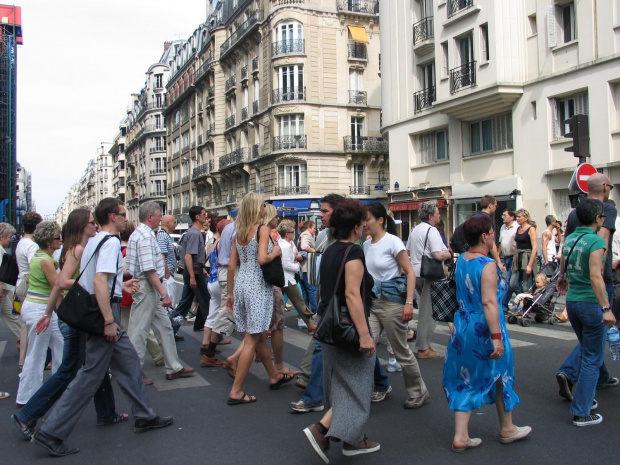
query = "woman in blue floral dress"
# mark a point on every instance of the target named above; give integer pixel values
(479, 366)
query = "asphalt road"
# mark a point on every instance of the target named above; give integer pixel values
(207, 430)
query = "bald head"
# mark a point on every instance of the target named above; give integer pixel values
(169, 223)
(597, 187)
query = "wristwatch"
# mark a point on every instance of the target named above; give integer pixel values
(163, 297)
(606, 309)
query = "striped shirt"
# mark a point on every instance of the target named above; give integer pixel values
(165, 246)
(143, 253)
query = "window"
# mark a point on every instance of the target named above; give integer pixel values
(445, 63)
(564, 108)
(616, 90)
(433, 146)
(291, 82)
(158, 100)
(561, 24)
(185, 140)
(176, 173)
(158, 122)
(291, 125)
(292, 176)
(532, 27)
(158, 165)
(159, 80)
(359, 175)
(484, 43)
(289, 37)
(177, 145)
(356, 79)
(466, 49)
(186, 199)
(491, 134)
(158, 189)
(357, 132)
(569, 32)
(177, 117)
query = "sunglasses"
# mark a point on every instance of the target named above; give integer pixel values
(611, 188)
(58, 238)
(124, 214)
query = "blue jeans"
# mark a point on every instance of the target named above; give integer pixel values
(201, 292)
(54, 387)
(508, 293)
(586, 319)
(313, 394)
(308, 292)
(572, 364)
(520, 281)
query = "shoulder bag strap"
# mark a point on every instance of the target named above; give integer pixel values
(344, 260)
(103, 241)
(571, 250)
(426, 240)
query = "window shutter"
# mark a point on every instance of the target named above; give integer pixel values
(552, 40)
(581, 103)
(555, 123)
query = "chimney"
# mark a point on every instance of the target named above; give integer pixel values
(167, 46)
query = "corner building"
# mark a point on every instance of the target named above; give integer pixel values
(281, 98)
(475, 93)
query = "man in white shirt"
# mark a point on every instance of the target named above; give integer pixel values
(103, 277)
(508, 247)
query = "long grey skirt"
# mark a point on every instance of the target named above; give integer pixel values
(348, 380)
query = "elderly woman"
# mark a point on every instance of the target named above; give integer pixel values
(10, 319)
(587, 304)
(524, 265)
(348, 373)
(479, 366)
(42, 279)
(426, 240)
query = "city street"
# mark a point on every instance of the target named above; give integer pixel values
(267, 432)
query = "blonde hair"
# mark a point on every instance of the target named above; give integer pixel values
(541, 275)
(270, 213)
(524, 213)
(249, 215)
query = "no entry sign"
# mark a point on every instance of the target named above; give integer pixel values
(580, 177)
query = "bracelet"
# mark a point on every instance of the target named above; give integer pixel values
(409, 303)
(163, 297)
(496, 336)
(606, 309)
(108, 324)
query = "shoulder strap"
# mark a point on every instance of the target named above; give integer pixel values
(427, 231)
(344, 260)
(571, 249)
(91, 257)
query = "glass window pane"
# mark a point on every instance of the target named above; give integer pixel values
(441, 145)
(474, 131)
(487, 135)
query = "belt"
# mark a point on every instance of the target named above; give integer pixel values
(508, 256)
(116, 300)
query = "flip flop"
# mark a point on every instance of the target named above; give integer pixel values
(230, 370)
(286, 378)
(4, 395)
(244, 399)
(116, 418)
(224, 342)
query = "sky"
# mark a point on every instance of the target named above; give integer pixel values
(80, 62)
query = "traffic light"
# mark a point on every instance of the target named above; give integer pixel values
(580, 135)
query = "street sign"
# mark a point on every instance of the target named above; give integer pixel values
(580, 177)
(287, 209)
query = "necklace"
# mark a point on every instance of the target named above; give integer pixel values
(475, 251)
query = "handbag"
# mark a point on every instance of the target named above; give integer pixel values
(443, 298)
(22, 289)
(79, 309)
(273, 273)
(430, 268)
(336, 326)
(9, 270)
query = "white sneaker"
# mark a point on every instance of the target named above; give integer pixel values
(301, 323)
(393, 366)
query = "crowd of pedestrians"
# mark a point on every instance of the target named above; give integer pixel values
(356, 257)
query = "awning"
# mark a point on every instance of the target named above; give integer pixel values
(414, 205)
(234, 212)
(291, 207)
(368, 201)
(358, 34)
(476, 190)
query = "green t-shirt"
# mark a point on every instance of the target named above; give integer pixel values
(578, 266)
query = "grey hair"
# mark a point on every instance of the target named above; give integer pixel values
(284, 227)
(148, 208)
(45, 233)
(6, 230)
(427, 209)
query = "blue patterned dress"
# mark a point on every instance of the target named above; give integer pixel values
(469, 374)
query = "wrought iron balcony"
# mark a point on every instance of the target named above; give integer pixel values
(211, 92)
(157, 194)
(365, 144)
(244, 73)
(176, 211)
(231, 198)
(230, 121)
(456, 6)
(255, 107)
(211, 166)
(287, 2)
(462, 77)
(289, 142)
(241, 30)
(423, 30)
(176, 154)
(200, 72)
(176, 182)
(245, 113)
(290, 94)
(255, 151)
(255, 65)
(423, 99)
(359, 190)
(157, 171)
(200, 171)
(185, 179)
(200, 139)
(132, 179)
(131, 160)
(358, 97)
(357, 51)
(359, 6)
(290, 190)
(288, 47)
(230, 83)
(157, 149)
(236, 156)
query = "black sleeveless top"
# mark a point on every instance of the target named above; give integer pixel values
(523, 240)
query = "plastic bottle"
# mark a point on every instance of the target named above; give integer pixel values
(613, 336)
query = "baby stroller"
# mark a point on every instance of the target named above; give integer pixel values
(542, 305)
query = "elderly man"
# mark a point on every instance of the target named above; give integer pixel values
(508, 247)
(168, 225)
(145, 262)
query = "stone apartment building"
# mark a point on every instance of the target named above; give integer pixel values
(117, 152)
(280, 97)
(475, 93)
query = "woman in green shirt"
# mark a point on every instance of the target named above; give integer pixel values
(43, 276)
(587, 305)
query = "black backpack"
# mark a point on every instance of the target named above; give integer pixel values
(458, 244)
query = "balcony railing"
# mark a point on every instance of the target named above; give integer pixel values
(359, 190)
(230, 82)
(290, 94)
(158, 171)
(358, 97)
(423, 99)
(156, 149)
(254, 64)
(357, 51)
(288, 47)
(255, 107)
(240, 31)
(203, 68)
(211, 92)
(176, 211)
(176, 182)
(157, 194)
(245, 113)
(132, 179)
(176, 154)
(289, 142)
(244, 73)
(423, 30)
(365, 144)
(231, 198)
(201, 170)
(185, 179)
(290, 190)
(230, 121)
(359, 6)
(462, 77)
(255, 151)
(236, 156)
(456, 6)
(200, 139)
(211, 166)
(286, 2)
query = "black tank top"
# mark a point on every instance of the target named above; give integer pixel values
(523, 240)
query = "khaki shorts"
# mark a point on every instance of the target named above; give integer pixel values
(277, 319)
(225, 321)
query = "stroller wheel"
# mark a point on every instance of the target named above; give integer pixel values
(553, 320)
(512, 319)
(526, 322)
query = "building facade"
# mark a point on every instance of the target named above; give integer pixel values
(281, 98)
(476, 94)
(24, 200)
(117, 153)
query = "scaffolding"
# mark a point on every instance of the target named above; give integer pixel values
(8, 160)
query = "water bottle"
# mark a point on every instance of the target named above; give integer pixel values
(614, 342)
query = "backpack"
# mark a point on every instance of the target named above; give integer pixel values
(458, 244)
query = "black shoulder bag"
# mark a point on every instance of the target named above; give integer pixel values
(429, 267)
(9, 270)
(79, 309)
(273, 273)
